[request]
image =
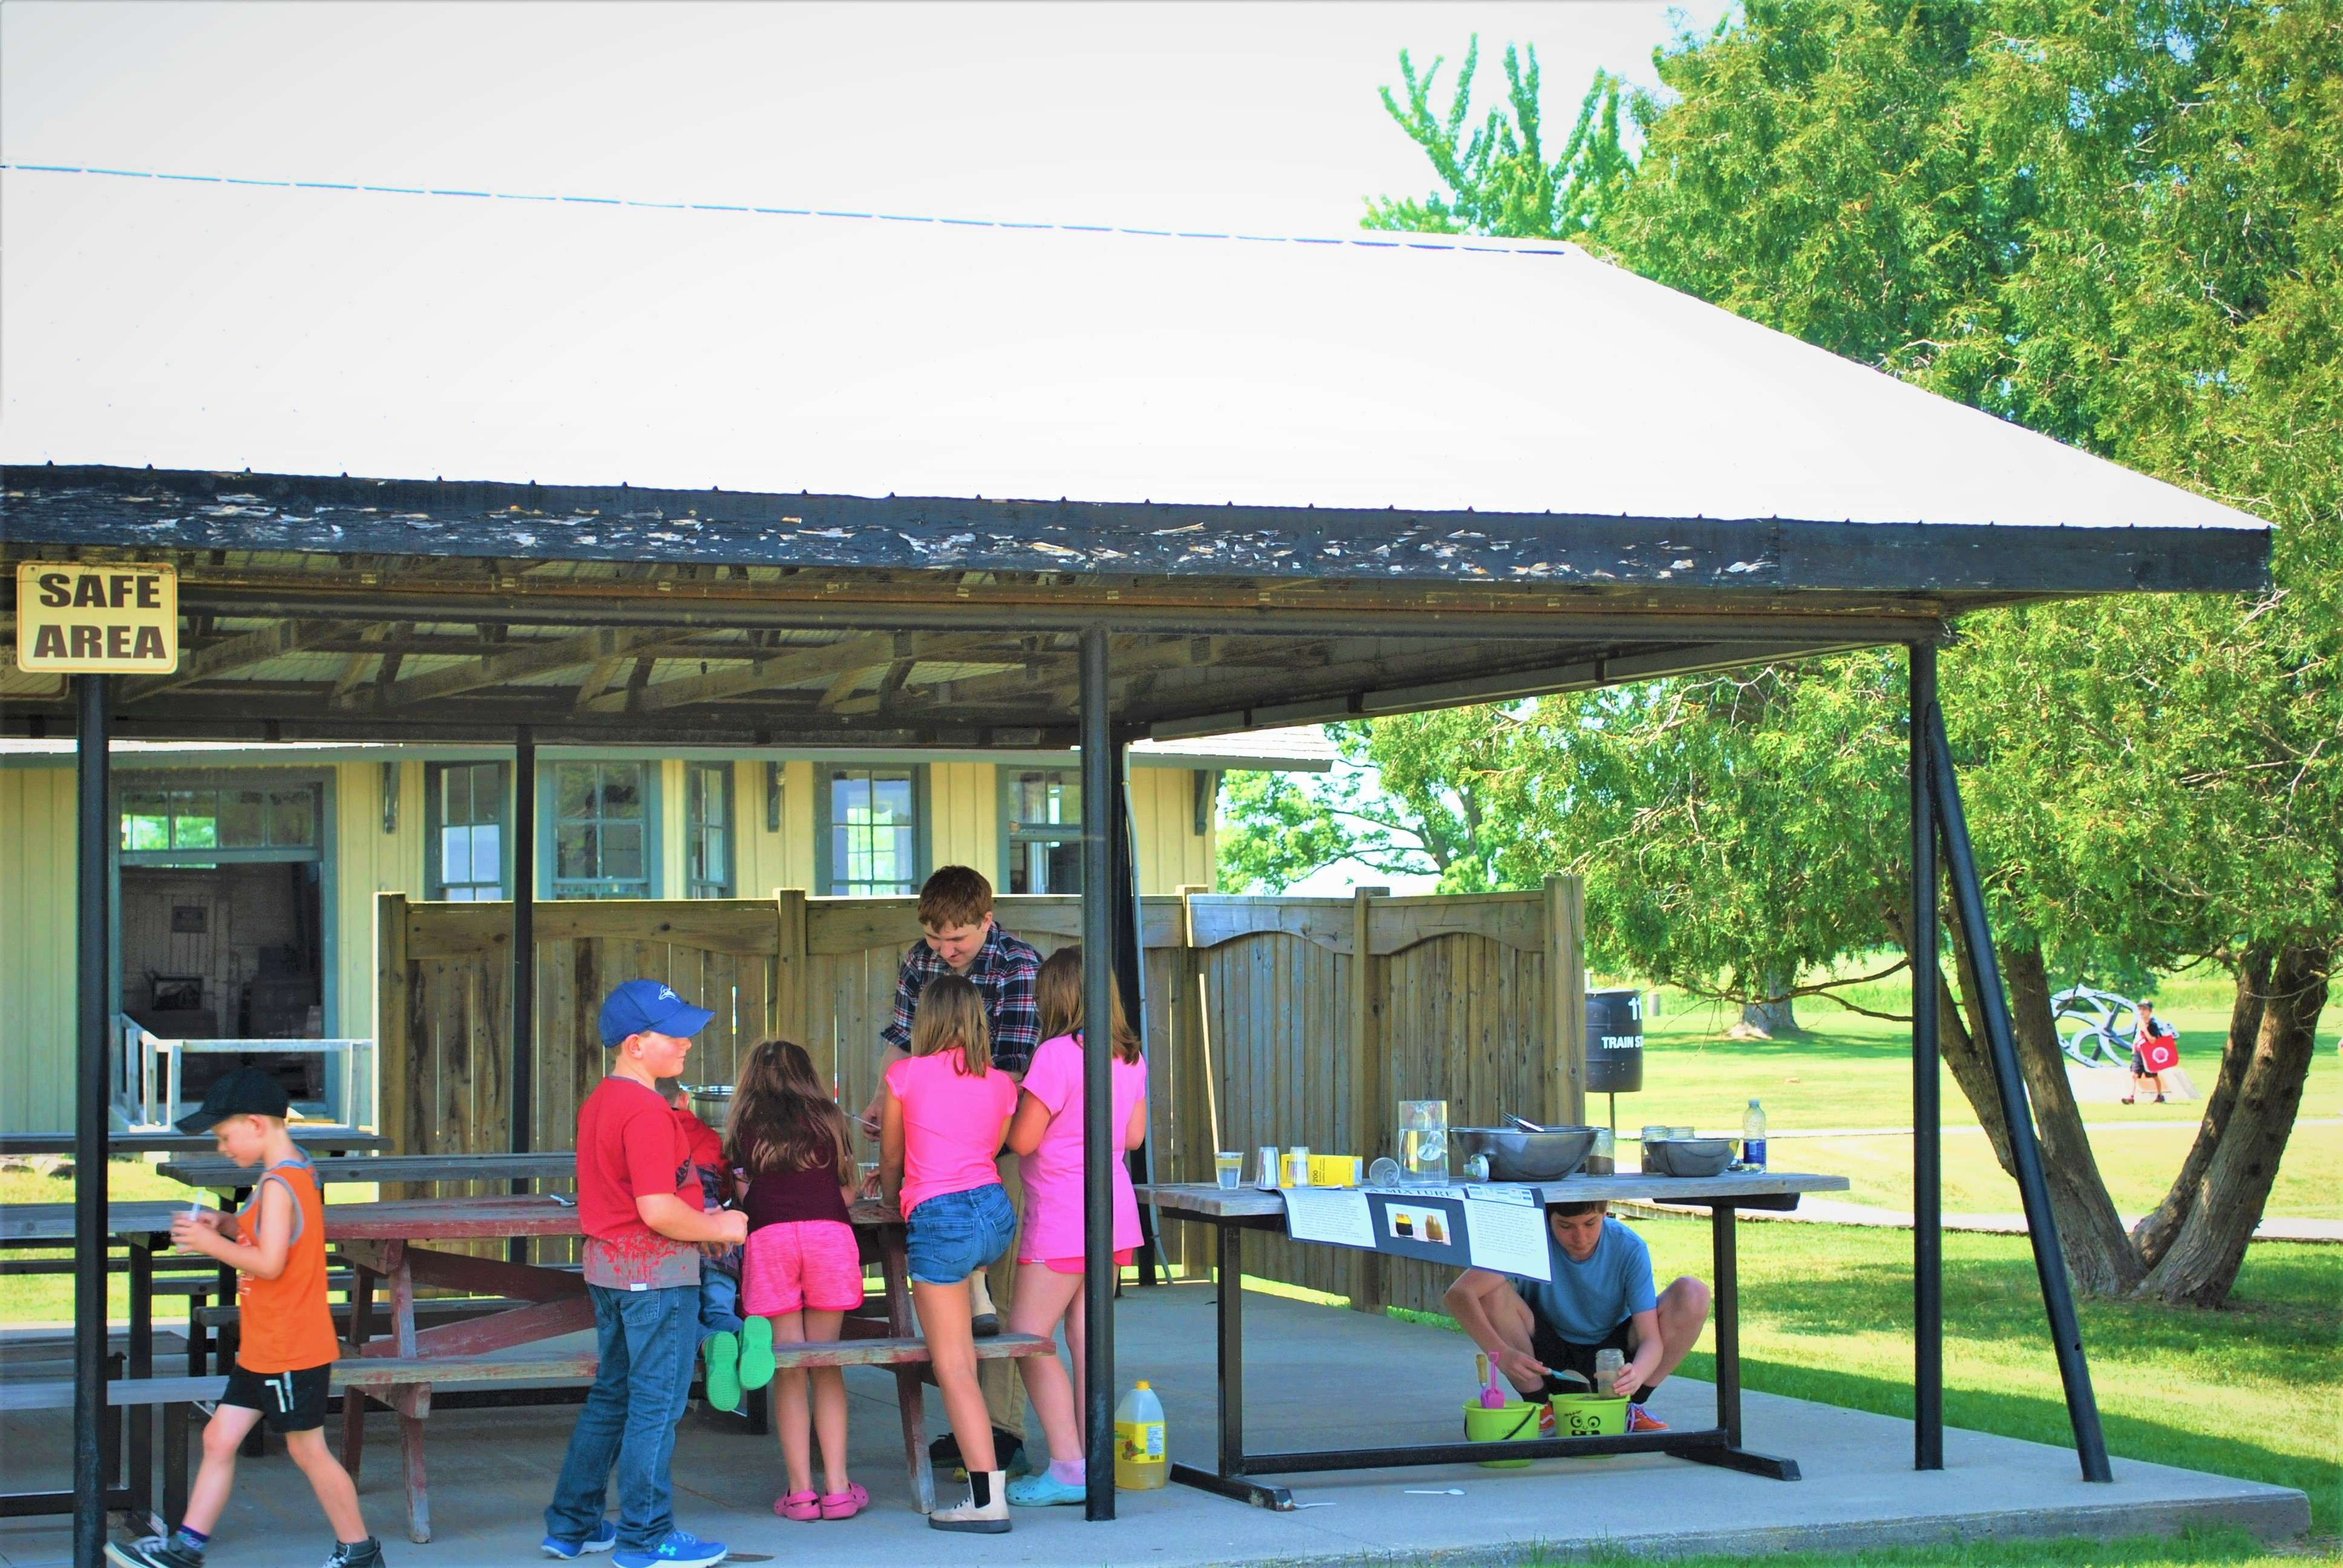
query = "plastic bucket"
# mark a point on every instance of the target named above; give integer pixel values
(1589, 1415)
(1514, 1422)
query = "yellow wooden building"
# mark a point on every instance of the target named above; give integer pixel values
(246, 876)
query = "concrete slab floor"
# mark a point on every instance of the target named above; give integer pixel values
(1317, 1377)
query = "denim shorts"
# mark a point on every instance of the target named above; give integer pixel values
(955, 1234)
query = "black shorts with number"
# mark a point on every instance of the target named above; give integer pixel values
(291, 1400)
(1560, 1355)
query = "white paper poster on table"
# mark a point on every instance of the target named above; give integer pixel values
(1497, 1228)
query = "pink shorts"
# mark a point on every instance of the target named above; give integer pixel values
(801, 1265)
(1074, 1265)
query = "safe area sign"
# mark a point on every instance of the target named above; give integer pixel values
(83, 618)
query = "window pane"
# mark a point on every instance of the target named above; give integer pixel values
(293, 816)
(573, 852)
(487, 856)
(573, 790)
(890, 800)
(145, 819)
(243, 822)
(487, 803)
(454, 855)
(622, 851)
(623, 790)
(195, 818)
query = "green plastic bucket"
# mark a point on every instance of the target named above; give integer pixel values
(1512, 1422)
(1589, 1415)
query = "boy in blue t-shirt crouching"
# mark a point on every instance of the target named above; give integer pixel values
(1544, 1335)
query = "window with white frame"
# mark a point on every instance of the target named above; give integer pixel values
(871, 831)
(1041, 841)
(467, 813)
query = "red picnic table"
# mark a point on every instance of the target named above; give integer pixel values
(385, 1241)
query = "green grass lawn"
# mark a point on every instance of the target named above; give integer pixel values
(1843, 1069)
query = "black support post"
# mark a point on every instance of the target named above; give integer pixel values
(2041, 1225)
(92, 931)
(1928, 1110)
(1100, 1146)
(523, 960)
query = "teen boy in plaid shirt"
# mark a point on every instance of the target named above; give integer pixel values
(956, 912)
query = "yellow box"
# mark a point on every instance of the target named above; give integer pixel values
(1336, 1170)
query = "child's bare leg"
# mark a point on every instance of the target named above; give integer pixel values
(951, 1351)
(335, 1492)
(1042, 1301)
(828, 1403)
(223, 1434)
(1080, 1351)
(793, 1422)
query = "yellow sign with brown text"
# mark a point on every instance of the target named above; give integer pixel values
(79, 618)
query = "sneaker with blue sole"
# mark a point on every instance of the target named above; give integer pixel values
(681, 1549)
(605, 1537)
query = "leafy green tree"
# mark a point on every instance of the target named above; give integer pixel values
(2117, 226)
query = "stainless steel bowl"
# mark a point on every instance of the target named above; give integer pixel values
(1687, 1156)
(1518, 1156)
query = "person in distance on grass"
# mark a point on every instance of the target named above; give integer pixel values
(1544, 1335)
(641, 1205)
(284, 1358)
(2152, 1051)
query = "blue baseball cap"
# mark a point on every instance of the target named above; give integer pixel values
(648, 1007)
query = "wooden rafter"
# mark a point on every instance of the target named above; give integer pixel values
(236, 653)
(540, 658)
(854, 654)
(355, 668)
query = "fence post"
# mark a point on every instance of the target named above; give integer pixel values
(1368, 1051)
(392, 1047)
(789, 966)
(1565, 962)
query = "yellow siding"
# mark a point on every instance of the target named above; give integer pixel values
(770, 860)
(964, 816)
(367, 861)
(671, 878)
(1170, 853)
(36, 948)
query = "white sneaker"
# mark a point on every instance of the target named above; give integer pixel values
(971, 1518)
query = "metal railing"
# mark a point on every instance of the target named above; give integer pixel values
(151, 1073)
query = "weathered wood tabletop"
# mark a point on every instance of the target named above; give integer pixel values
(178, 1142)
(214, 1171)
(1205, 1198)
(43, 1224)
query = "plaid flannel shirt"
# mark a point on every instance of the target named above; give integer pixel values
(1003, 971)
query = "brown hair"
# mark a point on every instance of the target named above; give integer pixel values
(782, 1118)
(951, 1014)
(1576, 1210)
(954, 896)
(1058, 997)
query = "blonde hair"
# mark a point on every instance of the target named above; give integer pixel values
(1057, 997)
(951, 1014)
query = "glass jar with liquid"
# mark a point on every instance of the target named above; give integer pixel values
(1423, 1140)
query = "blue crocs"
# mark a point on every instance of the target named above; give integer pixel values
(605, 1536)
(1043, 1490)
(681, 1549)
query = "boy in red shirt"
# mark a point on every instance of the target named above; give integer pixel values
(642, 1209)
(738, 1355)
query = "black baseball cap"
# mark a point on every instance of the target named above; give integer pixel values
(247, 1092)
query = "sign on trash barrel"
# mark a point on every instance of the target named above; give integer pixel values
(81, 619)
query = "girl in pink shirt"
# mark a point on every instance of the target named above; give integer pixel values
(1047, 1134)
(940, 1121)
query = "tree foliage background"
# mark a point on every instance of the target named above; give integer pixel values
(2120, 225)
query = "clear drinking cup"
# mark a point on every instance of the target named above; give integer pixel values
(1228, 1166)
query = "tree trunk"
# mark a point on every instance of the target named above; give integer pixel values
(1960, 1050)
(2152, 1237)
(2099, 1256)
(1777, 1014)
(2201, 1263)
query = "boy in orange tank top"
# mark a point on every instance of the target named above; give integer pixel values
(277, 1244)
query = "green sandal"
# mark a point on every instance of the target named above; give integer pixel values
(756, 1352)
(720, 1354)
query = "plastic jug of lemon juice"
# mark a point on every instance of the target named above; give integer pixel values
(1140, 1461)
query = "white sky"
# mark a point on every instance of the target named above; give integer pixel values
(1256, 116)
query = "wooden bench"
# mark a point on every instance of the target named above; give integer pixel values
(175, 1395)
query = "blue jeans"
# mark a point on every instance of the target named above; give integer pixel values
(720, 1301)
(953, 1234)
(646, 1339)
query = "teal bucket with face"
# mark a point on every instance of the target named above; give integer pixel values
(1514, 1422)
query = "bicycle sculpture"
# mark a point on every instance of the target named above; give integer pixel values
(2095, 1026)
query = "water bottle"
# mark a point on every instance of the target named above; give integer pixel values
(1752, 1136)
(1140, 1463)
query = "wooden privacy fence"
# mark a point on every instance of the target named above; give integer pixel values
(1268, 1020)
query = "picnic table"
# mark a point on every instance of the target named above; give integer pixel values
(143, 1229)
(221, 1174)
(1232, 1211)
(389, 1242)
(182, 1142)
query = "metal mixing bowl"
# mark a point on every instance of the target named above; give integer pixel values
(1687, 1156)
(1517, 1156)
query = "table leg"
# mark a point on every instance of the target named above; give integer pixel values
(418, 1490)
(354, 1400)
(142, 1364)
(402, 1296)
(1726, 1298)
(174, 1465)
(909, 1387)
(1228, 1477)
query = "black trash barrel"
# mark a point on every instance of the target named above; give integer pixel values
(1615, 1041)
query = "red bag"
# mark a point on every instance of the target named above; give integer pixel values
(2162, 1052)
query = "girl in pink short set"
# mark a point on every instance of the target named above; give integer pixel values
(802, 1269)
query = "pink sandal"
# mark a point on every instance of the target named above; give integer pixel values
(845, 1504)
(801, 1506)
